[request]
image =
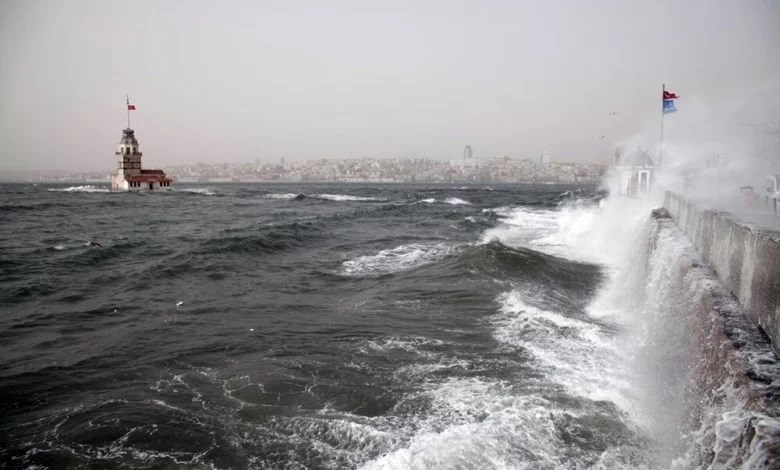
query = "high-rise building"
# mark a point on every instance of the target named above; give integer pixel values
(544, 160)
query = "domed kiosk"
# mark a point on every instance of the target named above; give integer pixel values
(636, 172)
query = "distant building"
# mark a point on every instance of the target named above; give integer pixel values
(636, 172)
(130, 176)
(544, 160)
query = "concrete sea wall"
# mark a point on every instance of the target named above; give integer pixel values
(702, 353)
(745, 257)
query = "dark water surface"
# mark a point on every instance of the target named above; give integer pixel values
(233, 326)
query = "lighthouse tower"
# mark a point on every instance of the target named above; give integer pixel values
(130, 176)
(129, 160)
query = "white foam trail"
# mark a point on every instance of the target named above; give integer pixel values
(402, 258)
(457, 201)
(452, 200)
(281, 196)
(476, 423)
(82, 189)
(574, 353)
(345, 197)
(204, 191)
(408, 344)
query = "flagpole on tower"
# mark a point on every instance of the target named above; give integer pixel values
(128, 110)
(661, 151)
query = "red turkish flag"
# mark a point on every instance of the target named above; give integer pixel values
(131, 107)
(668, 95)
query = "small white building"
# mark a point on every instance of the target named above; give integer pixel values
(636, 172)
(130, 176)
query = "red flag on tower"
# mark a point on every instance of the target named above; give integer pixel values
(131, 107)
(668, 95)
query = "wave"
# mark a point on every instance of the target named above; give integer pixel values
(246, 245)
(93, 256)
(417, 345)
(574, 352)
(456, 201)
(401, 258)
(481, 423)
(31, 207)
(277, 238)
(451, 200)
(506, 420)
(325, 197)
(494, 259)
(204, 191)
(346, 197)
(575, 231)
(82, 189)
(506, 263)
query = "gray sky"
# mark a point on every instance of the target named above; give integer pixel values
(235, 80)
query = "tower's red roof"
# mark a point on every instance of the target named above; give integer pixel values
(144, 178)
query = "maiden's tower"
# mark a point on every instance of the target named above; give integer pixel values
(130, 176)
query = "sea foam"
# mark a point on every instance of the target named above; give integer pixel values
(82, 189)
(345, 197)
(401, 258)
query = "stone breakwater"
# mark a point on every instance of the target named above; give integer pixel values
(745, 257)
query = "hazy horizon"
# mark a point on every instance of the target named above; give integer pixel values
(245, 80)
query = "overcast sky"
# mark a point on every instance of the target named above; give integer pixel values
(239, 80)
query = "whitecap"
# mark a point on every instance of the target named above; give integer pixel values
(82, 189)
(345, 197)
(457, 201)
(204, 191)
(574, 353)
(477, 423)
(415, 344)
(282, 196)
(401, 258)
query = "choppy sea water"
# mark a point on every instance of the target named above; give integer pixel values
(237, 326)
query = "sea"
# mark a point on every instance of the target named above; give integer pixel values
(308, 326)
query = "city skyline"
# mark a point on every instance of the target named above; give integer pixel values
(393, 170)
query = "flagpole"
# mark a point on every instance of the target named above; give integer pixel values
(128, 110)
(661, 151)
